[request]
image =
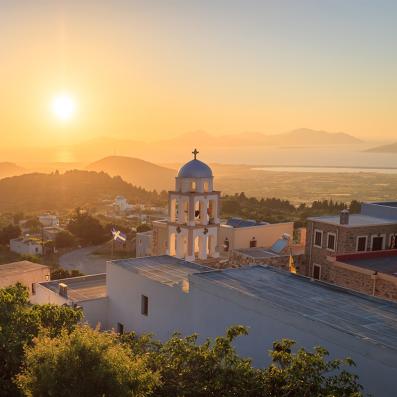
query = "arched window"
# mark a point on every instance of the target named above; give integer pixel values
(205, 186)
(193, 186)
(253, 242)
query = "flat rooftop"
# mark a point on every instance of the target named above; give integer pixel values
(164, 269)
(257, 252)
(385, 203)
(16, 268)
(354, 220)
(369, 318)
(378, 261)
(81, 288)
(239, 222)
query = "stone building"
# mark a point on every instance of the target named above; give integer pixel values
(346, 233)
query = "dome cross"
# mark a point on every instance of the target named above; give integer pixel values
(195, 153)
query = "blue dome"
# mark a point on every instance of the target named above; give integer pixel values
(195, 169)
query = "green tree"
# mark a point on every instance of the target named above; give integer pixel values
(20, 323)
(307, 374)
(33, 224)
(87, 228)
(9, 232)
(64, 239)
(84, 363)
(62, 273)
(213, 368)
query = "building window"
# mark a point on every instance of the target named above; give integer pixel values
(331, 241)
(318, 238)
(33, 288)
(144, 305)
(226, 245)
(316, 271)
(377, 242)
(253, 242)
(361, 243)
(120, 328)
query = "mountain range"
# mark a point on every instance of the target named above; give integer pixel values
(169, 149)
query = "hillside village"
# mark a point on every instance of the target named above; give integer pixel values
(182, 267)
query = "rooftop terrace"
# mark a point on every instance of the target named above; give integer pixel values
(16, 268)
(355, 220)
(164, 269)
(378, 261)
(81, 288)
(372, 319)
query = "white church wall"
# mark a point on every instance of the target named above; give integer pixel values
(215, 309)
(168, 307)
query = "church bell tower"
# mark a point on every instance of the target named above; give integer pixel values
(193, 213)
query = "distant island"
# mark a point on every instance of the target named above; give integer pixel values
(389, 148)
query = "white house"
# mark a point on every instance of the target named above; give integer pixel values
(121, 203)
(239, 233)
(26, 245)
(24, 272)
(49, 220)
(87, 292)
(163, 294)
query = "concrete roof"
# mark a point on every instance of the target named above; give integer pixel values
(354, 220)
(81, 288)
(164, 269)
(257, 252)
(16, 268)
(365, 317)
(383, 264)
(239, 222)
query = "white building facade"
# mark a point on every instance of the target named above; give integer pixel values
(26, 246)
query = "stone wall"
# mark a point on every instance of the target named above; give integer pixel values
(359, 279)
(238, 259)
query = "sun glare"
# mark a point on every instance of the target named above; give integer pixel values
(63, 107)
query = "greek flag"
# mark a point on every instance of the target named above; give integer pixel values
(118, 235)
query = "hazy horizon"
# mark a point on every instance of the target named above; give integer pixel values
(149, 70)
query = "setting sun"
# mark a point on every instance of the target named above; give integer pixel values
(63, 107)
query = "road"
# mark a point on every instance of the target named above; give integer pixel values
(83, 260)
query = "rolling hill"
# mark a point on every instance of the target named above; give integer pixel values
(138, 172)
(37, 192)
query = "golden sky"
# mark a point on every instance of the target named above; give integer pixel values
(152, 69)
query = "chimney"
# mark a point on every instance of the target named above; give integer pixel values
(63, 290)
(344, 217)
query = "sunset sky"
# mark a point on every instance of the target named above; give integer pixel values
(151, 69)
